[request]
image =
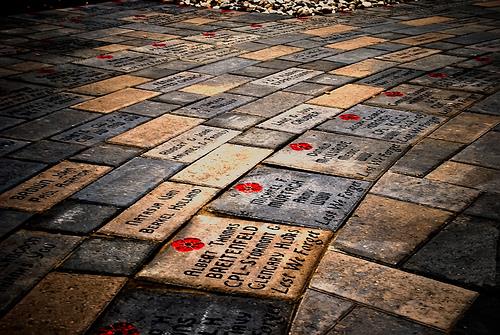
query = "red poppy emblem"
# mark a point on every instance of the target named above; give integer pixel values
(483, 59)
(225, 11)
(255, 26)
(187, 244)
(159, 45)
(104, 56)
(350, 117)
(394, 94)
(437, 75)
(209, 34)
(300, 146)
(119, 328)
(249, 187)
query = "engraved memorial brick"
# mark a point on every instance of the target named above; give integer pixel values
(214, 105)
(50, 187)
(116, 100)
(287, 77)
(174, 49)
(310, 55)
(175, 82)
(390, 77)
(125, 61)
(382, 123)
(245, 257)
(408, 55)
(224, 38)
(292, 197)
(340, 155)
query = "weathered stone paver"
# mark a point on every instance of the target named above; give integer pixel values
(183, 170)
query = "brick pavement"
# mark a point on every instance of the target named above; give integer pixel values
(172, 170)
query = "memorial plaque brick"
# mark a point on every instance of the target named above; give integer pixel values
(50, 187)
(155, 310)
(423, 39)
(8, 145)
(329, 30)
(156, 131)
(300, 118)
(346, 96)
(212, 55)
(125, 61)
(340, 155)
(292, 197)
(13, 93)
(26, 257)
(390, 77)
(364, 68)
(357, 55)
(13, 171)
(356, 43)
(490, 105)
(47, 151)
(471, 80)
(225, 38)
(382, 123)
(116, 100)
(157, 19)
(101, 128)
(287, 77)
(217, 85)
(174, 49)
(493, 45)
(192, 144)
(222, 166)
(175, 81)
(215, 105)
(425, 99)
(65, 76)
(310, 55)
(408, 55)
(245, 257)
(483, 152)
(65, 44)
(270, 29)
(110, 85)
(427, 21)
(271, 53)
(338, 37)
(160, 213)
(124, 185)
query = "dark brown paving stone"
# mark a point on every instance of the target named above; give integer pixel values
(424, 191)
(49, 125)
(47, 151)
(465, 252)
(107, 154)
(100, 129)
(480, 318)
(214, 105)
(15, 93)
(264, 138)
(236, 256)
(465, 127)
(390, 77)
(425, 156)
(237, 121)
(125, 61)
(392, 290)
(62, 303)
(382, 123)
(332, 80)
(73, 217)
(27, 256)
(340, 155)
(157, 310)
(292, 197)
(11, 219)
(255, 71)
(124, 185)
(486, 206)
(109, 256)
(13, 171)
(309, 88)
(317, 313)
(150, 108)
(175, 82)
(234, 64)
(7, 145)
(273, 104)
(179, 98)
(388, 230)
(253, 90)
(485, 151)
(363, 321)
(40, 107)
(7, 122)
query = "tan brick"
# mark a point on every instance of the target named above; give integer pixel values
(156, 131)
(423, 39)
(346, 96)
(465, 127)
(330, 30)
(110, 85)
(427, 20)
(272, 52)
(363, 68)
(408, 55)
(418, 298)
(116, 100)
(217, 85)
(198, 20)
(114, 47)
(356, 43)
(150, 35)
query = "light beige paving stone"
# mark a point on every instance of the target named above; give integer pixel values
(363, 68)
(474, 176)
(423, 39)
(465, 127)
(110, 85)
(156, 131)
(116, 100)
(222, 166)
(432, 62)
(270, 53)
(62, 303)
(198, 20)
(192, 144)
(237, 256)
(51, 186)
(330, 30)
(424, 191)
(217, 85)
(408, 55)
(114, 47)
(161, 212)
(388, 230)
(427, 20)
(418, 298)
(356, 43)
(317, 313)
(346, 96)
